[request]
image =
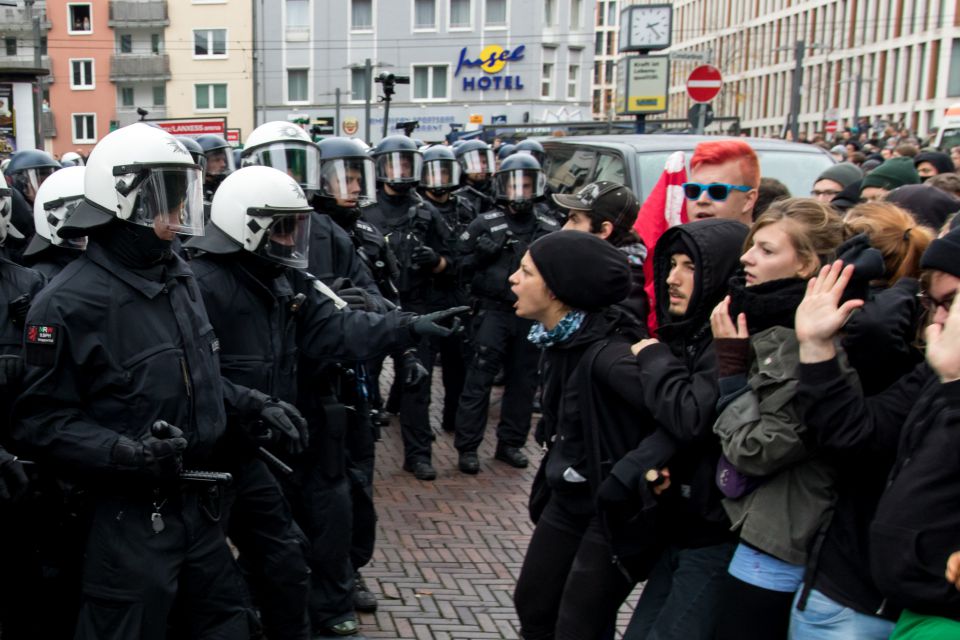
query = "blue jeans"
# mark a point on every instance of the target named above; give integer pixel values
(826, 619)
(680, 598)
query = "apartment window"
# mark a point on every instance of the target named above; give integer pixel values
(84, 128)
(156, 44)
(573, 79)
(126, 96)
(209, 43)
(610, 49)
(11, 45)
(599, 24)
(159, 95)
(546, 80)
(597, 70)
(298, 14)
(361, 15)
(608, 70)
(80, 17)
(575, 10)
(598, 43)
(549, 12)
(359, 87)
(611, 14)
(81, 74)
(496, 14)
(430, 82)
(210, 96)
(43, 45)
(596, 101)
(460, 14)
(125, 43)
(424, 14)
(297, 85)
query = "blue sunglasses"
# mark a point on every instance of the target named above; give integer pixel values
(718, 191)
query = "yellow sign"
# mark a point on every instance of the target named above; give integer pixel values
(476, 118)
(642, 85)
(493, 55)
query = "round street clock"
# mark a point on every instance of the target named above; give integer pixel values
(646, 27)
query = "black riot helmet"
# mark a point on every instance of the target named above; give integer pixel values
(519, 182)
(441, 171)
(196, 151)
(28, 169)
(398, 162)
(347, 174)
(532, 147)
(219, 157)
(476, 160)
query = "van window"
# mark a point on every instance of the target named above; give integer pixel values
(568, 168)
(610, 167)
(949, 139)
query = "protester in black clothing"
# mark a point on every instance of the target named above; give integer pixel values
(492, 247)
(122, 388)
(930, 206)
(678, 387)
(420, 239)
(48, 253)
(478, 164)
(571, 577)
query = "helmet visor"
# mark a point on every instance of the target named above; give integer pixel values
(220, 162)
(56, 211)
(169, 199)
(520, 185)
(478, 161)
(350, 181)
(300, 162)
(28, 181)
(282, 237)
(440, 174)
(6, 211)
(399, 166)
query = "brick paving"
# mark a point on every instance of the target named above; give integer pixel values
(449, 551)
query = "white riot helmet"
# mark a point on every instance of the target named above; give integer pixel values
(56, 199)
(263, 211)
(6, 211)
(287, 147)
(142, 175)
(71, 159)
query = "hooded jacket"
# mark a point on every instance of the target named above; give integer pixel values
(678, 384)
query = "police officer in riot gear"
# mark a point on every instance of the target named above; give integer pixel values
(533, 148)
(25, 172)
(493, 246)
(48, 253)
(420, 239)
(122, 389)
(440, 178)
(477, 163)
(219, 164)
(504, 152)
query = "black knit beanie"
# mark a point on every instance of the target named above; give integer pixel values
(583, 271)
(943, 254)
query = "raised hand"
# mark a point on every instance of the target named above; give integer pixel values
(943, 346)
(722, 326)
(820, 315)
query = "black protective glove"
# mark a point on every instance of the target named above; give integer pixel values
(11, 370)
(490, 247)
(13, 480)
(428, 325)
(284, 418)
(413, 372)
(357, 298)
(159, 454)
(425, 257)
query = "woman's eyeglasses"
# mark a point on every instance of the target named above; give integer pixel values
(931, 304)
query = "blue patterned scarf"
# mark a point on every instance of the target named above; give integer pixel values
(564, 330)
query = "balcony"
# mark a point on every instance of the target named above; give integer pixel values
(132, 14)
(127, 67)
(129, 115)
(24, 64)
(17, 20)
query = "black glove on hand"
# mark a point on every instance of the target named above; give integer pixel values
(413, 371)
(357, 298)
(489, 246)
(428, 325)
(159, 453)
(425, 257)
(11, 370)
(13, 480)
(284, 418)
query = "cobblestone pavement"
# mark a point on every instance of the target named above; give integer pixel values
(449, 551)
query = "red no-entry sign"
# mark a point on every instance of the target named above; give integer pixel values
(704, 83)
(831, 126)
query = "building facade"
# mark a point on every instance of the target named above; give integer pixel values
(469, 62)
(25, 77)
(901, 58)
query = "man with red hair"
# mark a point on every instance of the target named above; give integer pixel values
(724, 177)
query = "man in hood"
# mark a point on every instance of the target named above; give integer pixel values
(692, 265)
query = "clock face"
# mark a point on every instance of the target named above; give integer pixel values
(650, 27)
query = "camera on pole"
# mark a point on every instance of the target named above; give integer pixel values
(389, 82)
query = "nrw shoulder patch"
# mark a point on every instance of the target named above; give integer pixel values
(42, 334)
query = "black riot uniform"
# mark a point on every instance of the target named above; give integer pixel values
(419, 238)
(122, 383)
(26, 172)
(477, 164)
(493, 245)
